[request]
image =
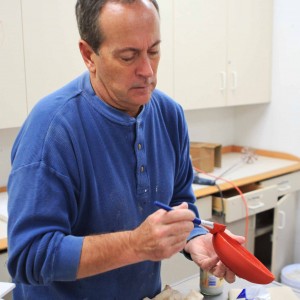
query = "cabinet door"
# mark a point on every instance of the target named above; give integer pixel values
(200, 53)
(283, 233)
(4, 276)
(52, 56)
(249, 51)
(177, 268)
(166, 67)
(12, 75)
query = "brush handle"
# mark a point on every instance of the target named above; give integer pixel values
(196, 221)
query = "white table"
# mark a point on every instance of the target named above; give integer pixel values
(192, 283)
(5, 288)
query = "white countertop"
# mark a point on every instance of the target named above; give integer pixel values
(242, 169)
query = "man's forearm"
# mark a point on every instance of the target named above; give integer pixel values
(105, 252)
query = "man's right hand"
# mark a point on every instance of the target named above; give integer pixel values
(163, 233)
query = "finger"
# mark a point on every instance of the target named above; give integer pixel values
(174, 229)
(178, 231)
(222, 271)
(229, 276)
(238, 238)
(171, 245)
(179, 215)
(206, 263)
(183, 205)
(219, 270)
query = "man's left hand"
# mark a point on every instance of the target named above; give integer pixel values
(203, 254)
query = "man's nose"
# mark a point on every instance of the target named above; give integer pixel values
(145, 68)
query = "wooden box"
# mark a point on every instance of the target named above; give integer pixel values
(206, 156)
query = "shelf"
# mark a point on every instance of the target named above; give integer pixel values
(263, 230)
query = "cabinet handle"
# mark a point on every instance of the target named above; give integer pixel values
(284, 186)
(254, 197)
(283, 218)
(255, 206)
(223, 81)
(234, 80)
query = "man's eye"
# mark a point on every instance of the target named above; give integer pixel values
(154, 53)
(127, 59)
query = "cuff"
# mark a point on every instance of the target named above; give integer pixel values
(196, 232)
(67, 259)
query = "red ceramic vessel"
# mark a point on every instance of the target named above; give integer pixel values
(238, 259)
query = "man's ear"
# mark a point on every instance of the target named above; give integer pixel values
(87, 54)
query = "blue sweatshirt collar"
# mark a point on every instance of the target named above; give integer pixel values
(106, 110)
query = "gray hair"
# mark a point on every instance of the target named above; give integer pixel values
(87, 15)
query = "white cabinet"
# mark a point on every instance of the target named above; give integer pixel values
(283, 233)
(249, 55)
(52, 56)
(165, 72)
(4, 276)
(287, 183)
(272, 218)
(200, 53)
(38, 54)
(12, 75)
(282, 236)
(221, 51)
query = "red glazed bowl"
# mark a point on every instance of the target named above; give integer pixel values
(239, 260)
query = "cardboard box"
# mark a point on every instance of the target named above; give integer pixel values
(206, 156)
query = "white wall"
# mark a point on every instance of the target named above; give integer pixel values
(214, 125)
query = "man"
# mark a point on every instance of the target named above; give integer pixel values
(90, 161)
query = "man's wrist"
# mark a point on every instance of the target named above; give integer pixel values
(191, 237)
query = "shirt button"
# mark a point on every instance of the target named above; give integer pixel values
(139, 146)
(142, 169)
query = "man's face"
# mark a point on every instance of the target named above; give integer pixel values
(126, 67)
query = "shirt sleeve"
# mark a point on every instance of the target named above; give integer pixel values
(41, 246)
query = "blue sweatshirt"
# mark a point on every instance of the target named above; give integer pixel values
(81, 167)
